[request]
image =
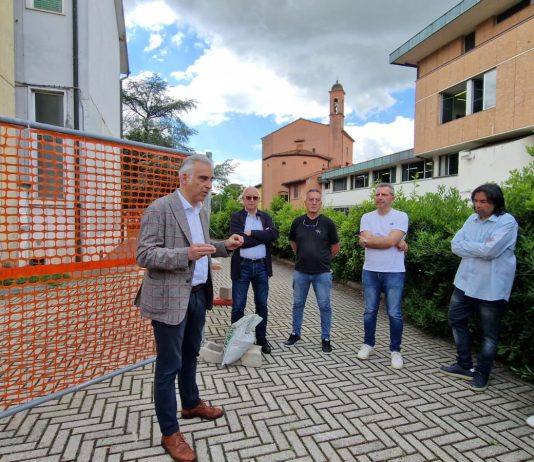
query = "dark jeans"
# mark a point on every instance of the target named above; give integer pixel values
(255, 273)
(177, 350)
(490, 313)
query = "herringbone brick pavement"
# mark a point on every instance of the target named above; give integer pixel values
(300, 405)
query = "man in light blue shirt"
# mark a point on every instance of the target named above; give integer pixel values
(483, 282)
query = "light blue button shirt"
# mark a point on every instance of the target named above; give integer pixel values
(200, 275)
(253, 222)
(487, 268)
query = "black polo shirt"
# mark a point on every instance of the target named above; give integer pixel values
(314, 239)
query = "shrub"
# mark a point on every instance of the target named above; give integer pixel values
(283, 217)
(516, 346)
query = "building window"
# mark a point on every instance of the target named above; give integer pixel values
(54, 6)
(512, 10)
(340, 184)
(295, 191)
(469, 42)
(448, 165)
(48, 109)
(359, 181)
(453, 103)
(385, 175)
(469, 97)
(327, 185)
(417, 170)
(484, 87)
(284, 195)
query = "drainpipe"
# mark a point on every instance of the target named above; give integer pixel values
(76, 115)
(75, 57)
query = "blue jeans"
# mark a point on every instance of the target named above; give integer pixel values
(322, 286)
(392, 284)
(177, 349)
(490, 313)
(255, 273)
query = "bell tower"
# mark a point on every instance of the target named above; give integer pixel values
(340, 158)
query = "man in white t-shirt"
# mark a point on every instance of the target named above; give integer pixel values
(382, 234)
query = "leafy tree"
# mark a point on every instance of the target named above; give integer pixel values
(222, 206)
(152, 116)
(222, 171)
(229, 192)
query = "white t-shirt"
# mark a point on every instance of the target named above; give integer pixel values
(389, 260)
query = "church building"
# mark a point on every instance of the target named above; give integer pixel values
(294, 156)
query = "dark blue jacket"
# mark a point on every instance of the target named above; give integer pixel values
(265, 236)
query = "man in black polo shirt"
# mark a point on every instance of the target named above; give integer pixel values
(313, 238)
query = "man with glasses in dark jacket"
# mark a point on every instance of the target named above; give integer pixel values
(251, 264)
(313, 238)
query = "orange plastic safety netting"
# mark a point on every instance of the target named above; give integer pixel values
(70, 208)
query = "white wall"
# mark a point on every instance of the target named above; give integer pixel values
(44, 59)
(492, 164)
(475, 167)
(100, 68)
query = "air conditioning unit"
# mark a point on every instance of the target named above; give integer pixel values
(467, 155)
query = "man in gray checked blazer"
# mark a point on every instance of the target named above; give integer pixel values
(175, 249)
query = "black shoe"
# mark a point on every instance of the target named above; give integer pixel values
(265, 345)
(325, 345)
(292, 340)
(479, 382)
(457, 371)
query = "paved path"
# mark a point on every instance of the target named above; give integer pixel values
(301, 405)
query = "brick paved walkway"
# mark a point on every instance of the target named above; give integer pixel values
(301, 405)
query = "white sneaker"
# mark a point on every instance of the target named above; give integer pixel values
(365, 351)
(530, 420)
(396, 360)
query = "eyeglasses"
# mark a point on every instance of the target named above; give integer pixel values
(252, 198)
(308, 225)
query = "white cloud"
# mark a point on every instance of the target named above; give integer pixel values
(150, 15)
(223, 83)
(247, 172)
(279, 58)
(379, 139)
(154, 42)
(177, 39)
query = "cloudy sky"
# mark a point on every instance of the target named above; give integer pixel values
(256, 65)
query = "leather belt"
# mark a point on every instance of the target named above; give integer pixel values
(198, 287)
(253, 260)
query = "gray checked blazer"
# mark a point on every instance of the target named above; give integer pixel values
(164, 238)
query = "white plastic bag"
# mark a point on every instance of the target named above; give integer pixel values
(239, 338)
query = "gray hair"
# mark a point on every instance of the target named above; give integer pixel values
(188, 165)
(312, 190)
(386, 185)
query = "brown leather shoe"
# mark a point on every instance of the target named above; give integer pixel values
(202, 410)
(177, 447)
